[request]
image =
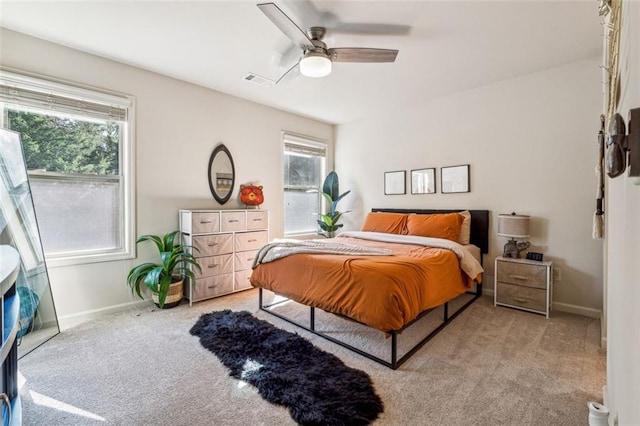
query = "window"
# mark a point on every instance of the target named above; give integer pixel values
(304, 167)
(77, 146)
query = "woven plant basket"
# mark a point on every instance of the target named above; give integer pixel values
(174, 296)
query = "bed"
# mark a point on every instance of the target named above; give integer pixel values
(402, 265)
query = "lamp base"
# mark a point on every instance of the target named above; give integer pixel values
(513, 248)
(510, 249)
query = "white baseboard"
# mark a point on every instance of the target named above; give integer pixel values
(578, 310)
(67, 321)
(566, 307)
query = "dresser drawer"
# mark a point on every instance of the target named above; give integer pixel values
(218, 285)
(208, 245)
(244, 259)
(257, 219)
(206, 222)
(214, 265)
(246, 241)
(522, 274)
(242, 280)
(523, 297)
(234, 221)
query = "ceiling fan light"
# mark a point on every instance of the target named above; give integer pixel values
(315, 64)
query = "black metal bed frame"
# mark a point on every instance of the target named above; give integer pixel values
(479, 237)
(395, 361)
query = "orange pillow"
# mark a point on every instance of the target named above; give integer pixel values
(389, 223)
(445, 226)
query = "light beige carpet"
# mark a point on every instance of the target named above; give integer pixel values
(490, 366)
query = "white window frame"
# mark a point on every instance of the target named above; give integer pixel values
(126, 151)
(302, 140)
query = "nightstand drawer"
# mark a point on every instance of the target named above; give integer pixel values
(207, 222)
(523, 297)
(208, 245)
(522, 274)
(214, 265)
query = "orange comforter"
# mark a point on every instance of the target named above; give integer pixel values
(384, 292)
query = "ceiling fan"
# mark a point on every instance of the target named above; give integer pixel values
(317, 59)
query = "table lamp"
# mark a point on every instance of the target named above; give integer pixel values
(513, 226)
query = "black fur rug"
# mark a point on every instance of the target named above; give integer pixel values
(288, 370)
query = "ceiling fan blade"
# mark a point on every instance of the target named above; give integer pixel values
(361, 54)
(290, 74)
(308, 15)
(371, 29)
(286, 25)
(289, 56)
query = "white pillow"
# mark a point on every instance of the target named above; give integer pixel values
(465, 228)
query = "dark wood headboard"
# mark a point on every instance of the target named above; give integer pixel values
(479, 223)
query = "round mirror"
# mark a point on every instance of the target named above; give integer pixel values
(222, 174)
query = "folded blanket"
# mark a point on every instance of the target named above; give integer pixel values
(285, 247)
(468, 263)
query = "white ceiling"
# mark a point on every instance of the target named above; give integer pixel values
(452, 45)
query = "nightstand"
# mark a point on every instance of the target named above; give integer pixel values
(523, 284)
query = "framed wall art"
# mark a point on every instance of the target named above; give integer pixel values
(394, 183)
(455, 179)
(423, 181)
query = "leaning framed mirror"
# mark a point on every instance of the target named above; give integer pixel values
(19, 229)
(222, 174)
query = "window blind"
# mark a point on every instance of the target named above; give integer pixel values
(300, 145)
(22, 91)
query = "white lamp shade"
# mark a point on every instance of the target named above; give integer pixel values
(315, 65)
(513, 225)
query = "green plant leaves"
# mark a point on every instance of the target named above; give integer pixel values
(331, 194)
(331, 186)
(175, 259)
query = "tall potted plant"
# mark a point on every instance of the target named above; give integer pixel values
(164, 279)
(331, 192)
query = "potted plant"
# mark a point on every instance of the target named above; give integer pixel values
(164, 279)
(331, 192)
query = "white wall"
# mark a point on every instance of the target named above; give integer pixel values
(178, 125)
(531, 144)
(623, 249)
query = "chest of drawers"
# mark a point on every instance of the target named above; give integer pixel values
(523, 284)
(225, 243)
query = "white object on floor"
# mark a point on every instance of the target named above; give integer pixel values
(598, 414)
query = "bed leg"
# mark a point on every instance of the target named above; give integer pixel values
(260, 298)
(478, 290)
(394, 350)
(312, 318)
(446, 311)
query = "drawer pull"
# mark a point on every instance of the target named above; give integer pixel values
(257, 220)
(233, 220)
(212, 286)
(520, 300)
(215, 265)
(206, 221)
(519, 277)
(212, 244)
(252, 241)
